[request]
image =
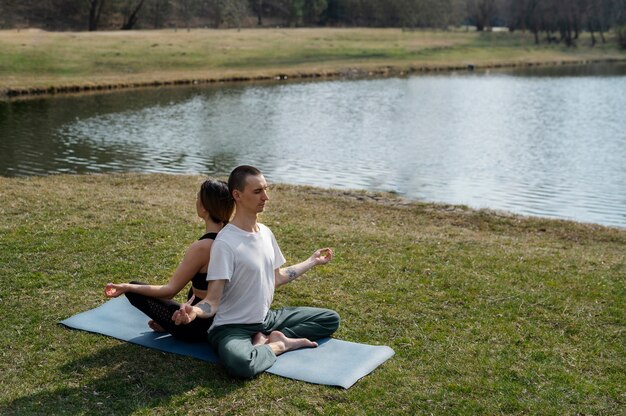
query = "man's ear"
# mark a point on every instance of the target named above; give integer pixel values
(236, 195)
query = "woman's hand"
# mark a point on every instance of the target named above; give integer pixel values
(113, 290)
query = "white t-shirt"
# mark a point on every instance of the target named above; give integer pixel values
(247, 260)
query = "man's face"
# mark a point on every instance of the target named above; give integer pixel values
(254, 195)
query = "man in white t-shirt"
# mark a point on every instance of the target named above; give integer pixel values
(244, 270)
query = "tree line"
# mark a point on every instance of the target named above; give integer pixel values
(548, 20)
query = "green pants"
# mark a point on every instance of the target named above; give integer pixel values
(233, 343)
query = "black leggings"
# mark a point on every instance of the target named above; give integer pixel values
(161, 311)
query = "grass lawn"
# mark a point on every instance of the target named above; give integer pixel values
(488, 313)
(34, 59)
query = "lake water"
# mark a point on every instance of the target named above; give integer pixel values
(548, 142)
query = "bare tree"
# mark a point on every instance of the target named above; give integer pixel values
(552, 20)
(186, 8)
(133, 15)
(259, 11)
(312, 11)
(95, 11)
(159, 12)
(533, 15)
(426, 13)
(481, 11)
(562, 23)
(11, 13)
(601, 12)
(233, 12)
(620, 22)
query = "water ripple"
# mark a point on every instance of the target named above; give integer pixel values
(536, 145)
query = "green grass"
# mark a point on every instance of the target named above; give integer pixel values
(37, 59)
(488, 313)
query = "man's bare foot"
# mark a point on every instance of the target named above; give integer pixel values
(280, 343)
(259, 339)
(155, 327)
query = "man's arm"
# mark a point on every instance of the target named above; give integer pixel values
(287, 274)
(204, 309)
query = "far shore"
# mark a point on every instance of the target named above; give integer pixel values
(355, 71)
(47, 63)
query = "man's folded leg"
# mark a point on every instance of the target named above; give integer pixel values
(303, 322)
(234, 347)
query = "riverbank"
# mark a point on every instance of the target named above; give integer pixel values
(35, 62)
(488, 313)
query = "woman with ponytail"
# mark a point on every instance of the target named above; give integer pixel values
(215, 206)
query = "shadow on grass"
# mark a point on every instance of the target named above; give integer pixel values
(123, 379)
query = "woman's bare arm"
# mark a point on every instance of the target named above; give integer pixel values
(196, 257)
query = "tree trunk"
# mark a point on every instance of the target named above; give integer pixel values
(599, 17)
(134, 16)
(593, 38)
(95, 11)
(259, 12)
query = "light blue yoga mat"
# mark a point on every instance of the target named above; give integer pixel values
(333, 362)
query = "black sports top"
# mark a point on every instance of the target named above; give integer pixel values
(199, 280)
